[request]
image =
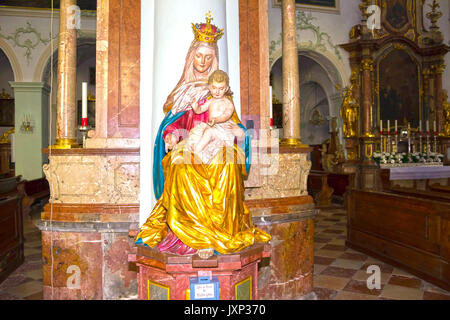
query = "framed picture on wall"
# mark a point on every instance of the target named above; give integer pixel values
(330, 6)
(6, 112)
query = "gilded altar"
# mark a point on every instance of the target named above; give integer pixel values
(410, 96)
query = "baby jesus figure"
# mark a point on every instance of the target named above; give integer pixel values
(206, 139)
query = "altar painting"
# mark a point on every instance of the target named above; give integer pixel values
(399, 87)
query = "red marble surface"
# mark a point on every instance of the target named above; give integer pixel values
(290, 270)
(166, 270)
(83, 250)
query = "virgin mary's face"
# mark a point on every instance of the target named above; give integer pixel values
(203, 59)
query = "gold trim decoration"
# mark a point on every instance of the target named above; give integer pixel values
(438, 68)
(368, 150)
(65, 144)
(293, 143)
(5, 138)
(367, 64)
(159, 286)
(5, 95)
(241, 283)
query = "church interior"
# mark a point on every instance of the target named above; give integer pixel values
(346, 114)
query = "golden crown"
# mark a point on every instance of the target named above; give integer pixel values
(207, 32)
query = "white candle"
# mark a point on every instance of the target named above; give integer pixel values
(389, 126)
(396, 127)
(434, 126)
(428, 126)
(420, 126)
(84, 100)
(381, 126)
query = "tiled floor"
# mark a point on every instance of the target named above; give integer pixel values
(340, 272)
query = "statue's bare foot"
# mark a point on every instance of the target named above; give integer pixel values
(205, 253)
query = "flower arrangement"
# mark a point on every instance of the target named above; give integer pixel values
(393, 158)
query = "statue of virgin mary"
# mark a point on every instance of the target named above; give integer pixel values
(200, 206)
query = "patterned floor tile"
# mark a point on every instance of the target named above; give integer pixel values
(26, 289)
(35, 274)
(323, 260)
(385, 268)
(401, 293)
(325, 294)
(36, 296)
(339, 272)
(403, 273)
(414, 283)
(328, 253)
(361, 287)
(334, 247)
(354, 256)
(318, 268)
(330, 282)
(346, 295)
(348, 264)
(362, 275)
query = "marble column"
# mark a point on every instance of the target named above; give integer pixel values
(67, 75)
(439, 70)
(367, 68)
(291, 87)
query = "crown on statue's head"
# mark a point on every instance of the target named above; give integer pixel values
(207, 32)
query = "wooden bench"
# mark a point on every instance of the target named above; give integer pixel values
(33, 191)
(410, 232)
(11, 227)
(437, 187)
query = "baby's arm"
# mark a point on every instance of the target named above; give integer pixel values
(227, 112)
(201, 109)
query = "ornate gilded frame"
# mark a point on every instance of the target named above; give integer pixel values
(408, 27)
(385, 52)
(336, 9)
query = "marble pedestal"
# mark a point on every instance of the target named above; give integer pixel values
(288, 273)
(165, 276)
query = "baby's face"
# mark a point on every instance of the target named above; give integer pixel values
(218, 89)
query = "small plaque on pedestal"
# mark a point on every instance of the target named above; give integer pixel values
(204, 288)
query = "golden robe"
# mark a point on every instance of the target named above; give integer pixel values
(203, 204)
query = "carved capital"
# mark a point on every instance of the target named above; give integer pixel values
(367, 64)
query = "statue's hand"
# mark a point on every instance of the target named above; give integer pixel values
(170, 141)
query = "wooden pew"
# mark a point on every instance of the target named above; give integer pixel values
(431, 195)
(410, 232)
(11, 227)
(33, 191)
(438, 188)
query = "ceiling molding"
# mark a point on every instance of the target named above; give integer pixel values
(40, 13)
